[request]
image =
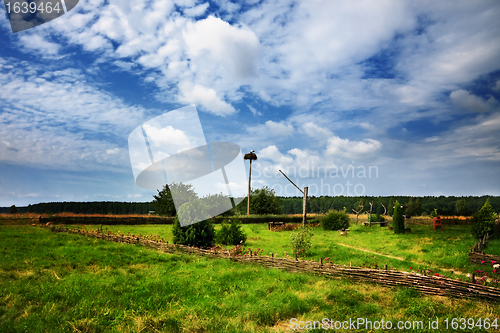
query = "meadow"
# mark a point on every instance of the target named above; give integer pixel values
(69, 283)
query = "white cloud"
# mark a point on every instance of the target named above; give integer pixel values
(352, 149)
(497, 87)
(167, 138)
(254, 111)
(39, 44)
(206, 97)
(315, 131)
(197, 11)
(472, 102)
(212, 43)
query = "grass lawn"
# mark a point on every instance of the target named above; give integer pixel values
(440, 251)
(56, 282)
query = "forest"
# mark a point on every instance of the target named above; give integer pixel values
(290, 205)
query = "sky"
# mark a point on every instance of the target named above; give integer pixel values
(372, 98)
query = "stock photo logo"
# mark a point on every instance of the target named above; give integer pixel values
(24, 14)
(171, 148)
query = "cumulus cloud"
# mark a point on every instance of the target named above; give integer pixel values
(497, 87)
(40, 44)
(212, 42)
(346, 148)
(197, 11)
(206, 97)
(315, 131)
(472, 102)
(167, 139)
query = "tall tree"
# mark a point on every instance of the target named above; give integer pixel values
(461, 207)
(398, 221)
(164, 202)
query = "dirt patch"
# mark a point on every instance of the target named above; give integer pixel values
(377, 253)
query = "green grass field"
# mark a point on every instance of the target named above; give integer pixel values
(423, 249)
(55, 282)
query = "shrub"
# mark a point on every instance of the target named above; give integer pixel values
(200, 234)
(301, 239)
(483, 221)
(335, 220)
(434, 213)
(231, 233)
(398, 221)
(377, 218)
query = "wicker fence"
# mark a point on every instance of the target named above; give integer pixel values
(477, 255)
(427, 284)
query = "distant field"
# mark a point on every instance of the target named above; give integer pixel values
(54, 282)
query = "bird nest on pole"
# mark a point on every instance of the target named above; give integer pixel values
(250, 156)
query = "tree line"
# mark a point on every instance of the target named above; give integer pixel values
(264, 201)
(100, 207)
(414, 206)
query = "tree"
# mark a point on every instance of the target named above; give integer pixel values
(263, 201)
(200, 234)
(231, 233)
(164, 202)
(218, 204)
(414, 207)
(483, 221)
(13, 209)
(461, 208)
(390, 207)
(398, 221)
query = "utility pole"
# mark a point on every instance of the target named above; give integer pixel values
(249, 156)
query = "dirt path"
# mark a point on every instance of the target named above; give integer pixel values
(379, 254)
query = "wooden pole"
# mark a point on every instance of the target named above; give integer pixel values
(249, 181)
(304, 207)
(301, 191)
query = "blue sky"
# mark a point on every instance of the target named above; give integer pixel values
(347, 97)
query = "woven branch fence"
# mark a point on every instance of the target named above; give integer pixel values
(427, 284)
(477, 255)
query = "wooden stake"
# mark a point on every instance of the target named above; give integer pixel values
(249, 182)
(304, 206)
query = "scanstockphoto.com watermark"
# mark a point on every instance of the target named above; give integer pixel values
(463, 324)
(328, 180)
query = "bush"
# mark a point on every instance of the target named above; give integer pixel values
(335, 220)
(483, 221)
(200, 234)
(377, 218)
(301, 239)
(398, 221)
(231, 233)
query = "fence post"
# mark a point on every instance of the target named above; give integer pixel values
(321, 261)
(385, 267)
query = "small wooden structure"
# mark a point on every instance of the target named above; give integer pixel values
(275, 224)
(437, 222)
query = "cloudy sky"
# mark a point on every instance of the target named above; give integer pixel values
(347, 97)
